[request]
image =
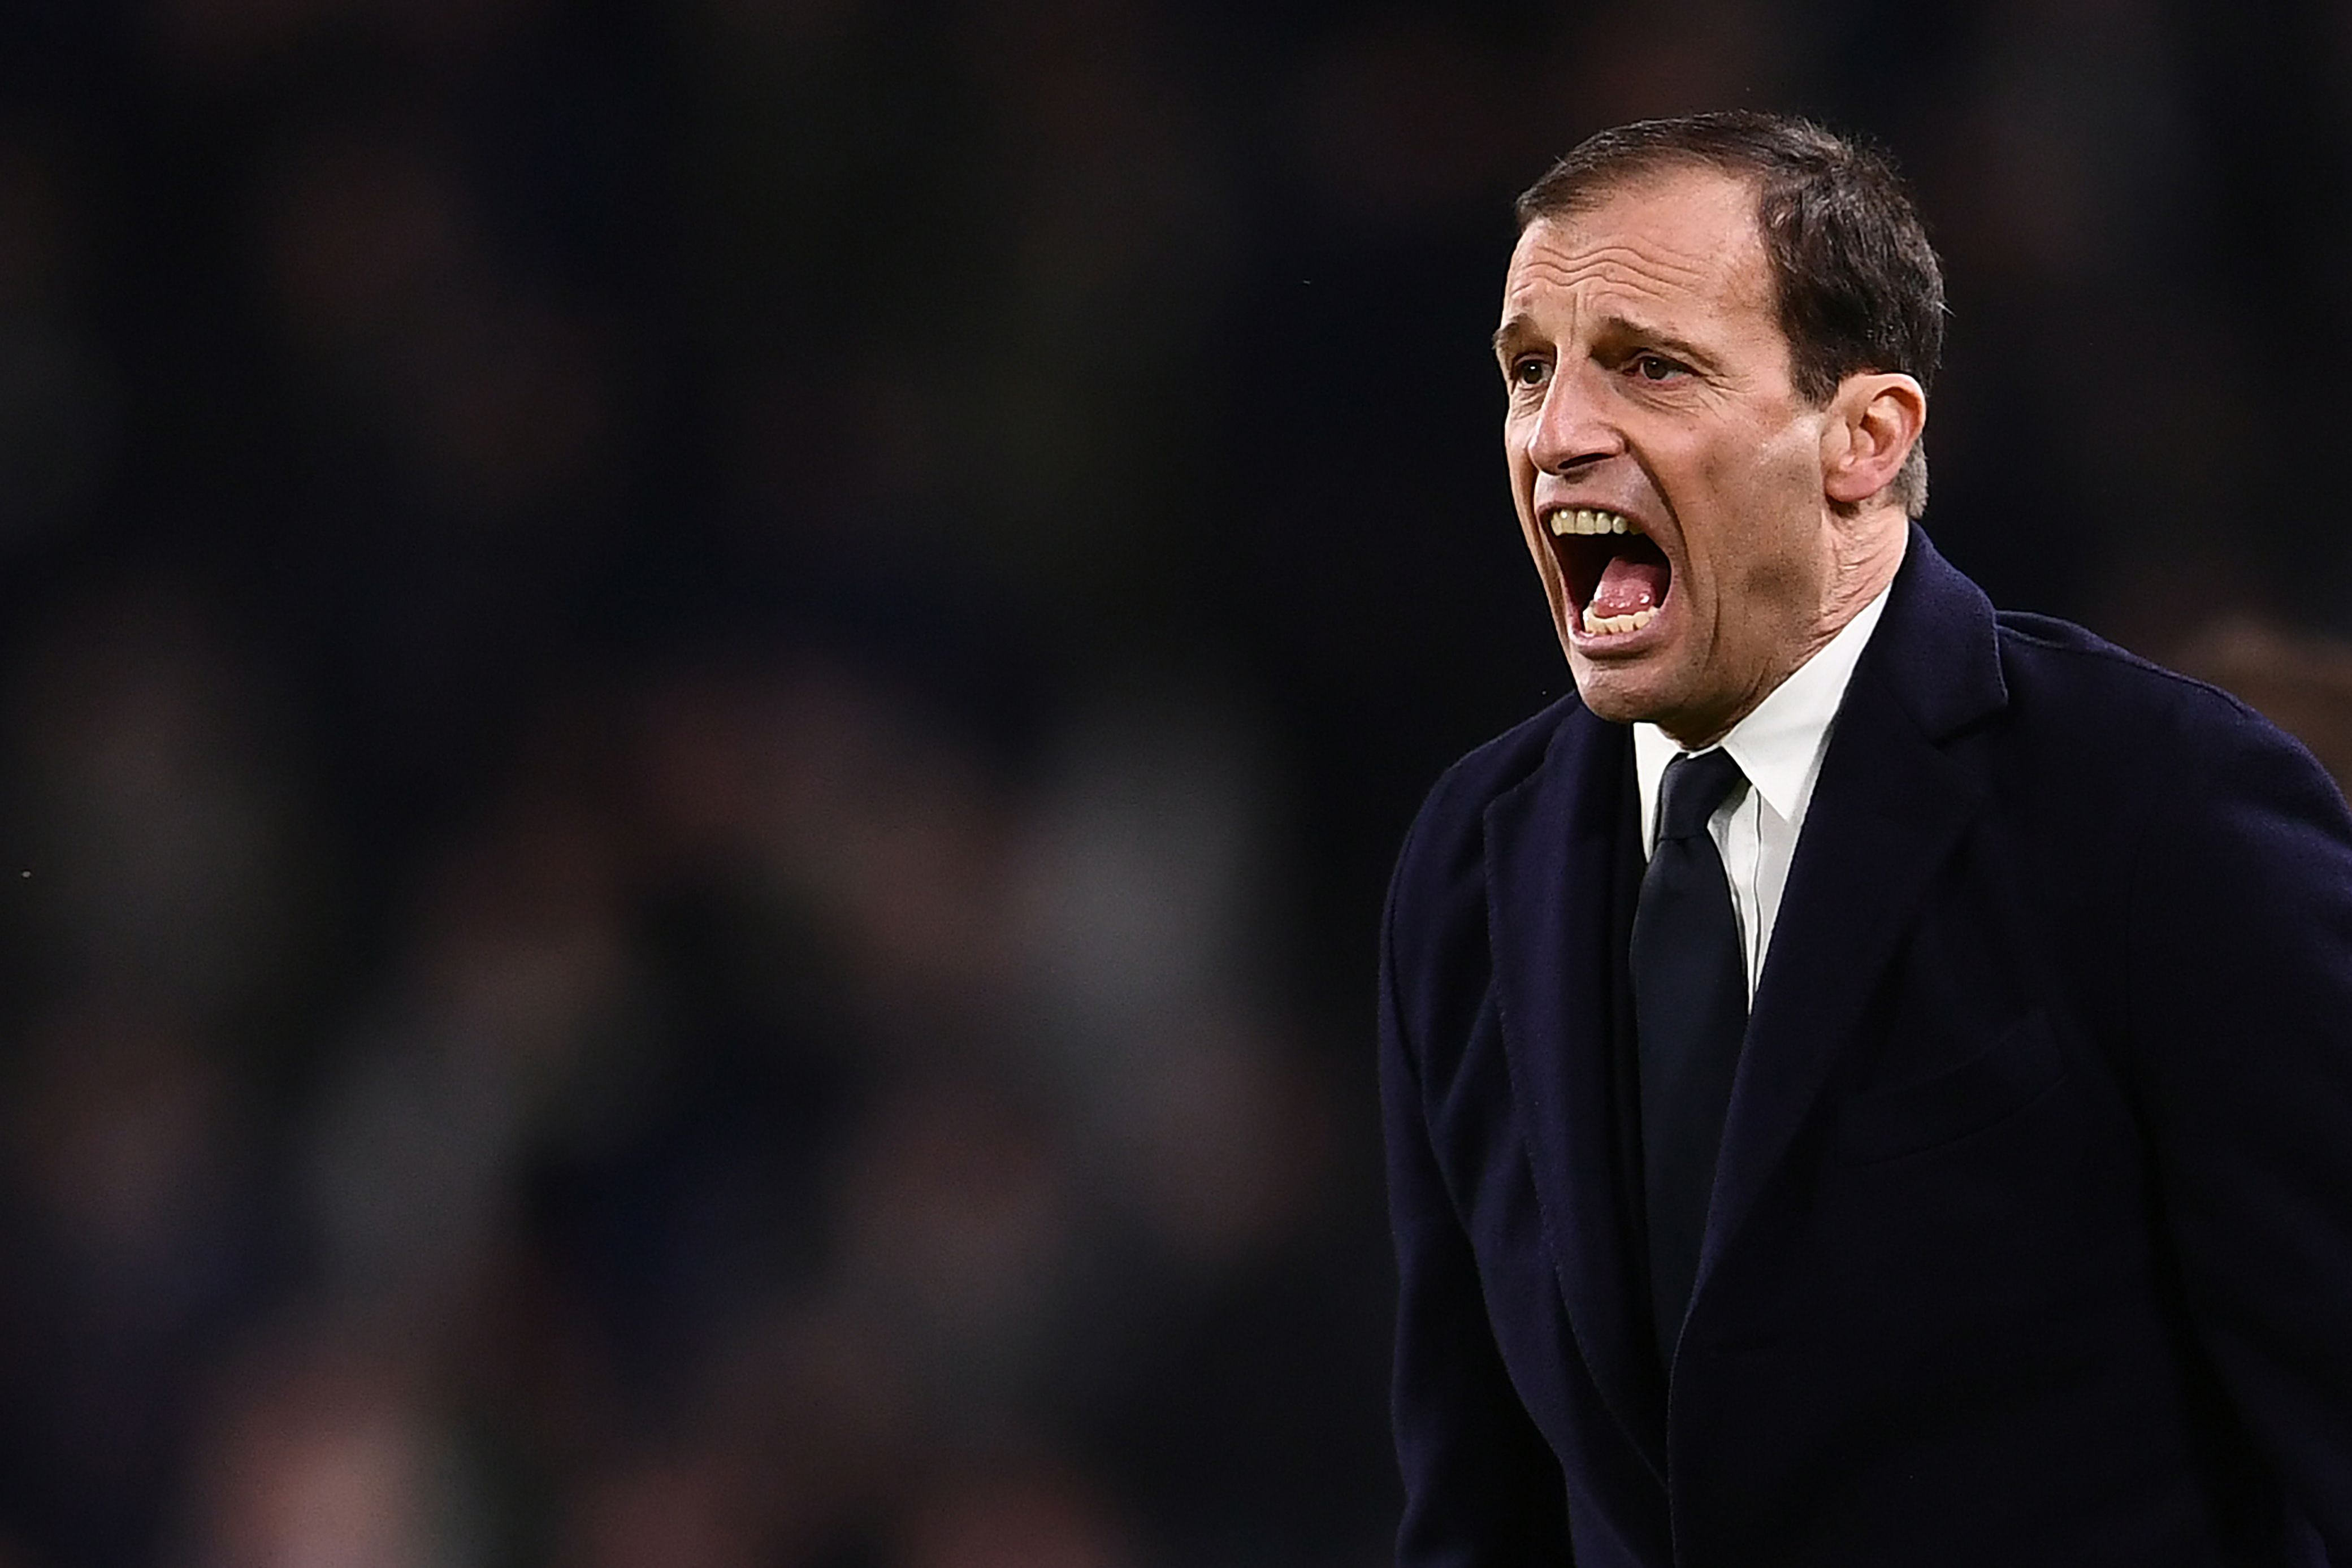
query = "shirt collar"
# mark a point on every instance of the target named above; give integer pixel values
(1780, 744)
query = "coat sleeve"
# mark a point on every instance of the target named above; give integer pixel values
(1482, 1488)
(2240, 977)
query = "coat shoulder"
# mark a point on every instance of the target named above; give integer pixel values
(1448, 836)
(2116, 701)
(2110, 754)
(1433, 939)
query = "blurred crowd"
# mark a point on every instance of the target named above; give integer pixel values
(702, 703)
(765, 1130)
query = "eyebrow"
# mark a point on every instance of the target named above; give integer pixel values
(1512, 330)
(1610, 327)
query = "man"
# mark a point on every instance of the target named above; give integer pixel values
(1868, 1081)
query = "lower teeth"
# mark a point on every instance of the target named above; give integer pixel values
(1597, 624)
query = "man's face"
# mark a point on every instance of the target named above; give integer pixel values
(1668, 475)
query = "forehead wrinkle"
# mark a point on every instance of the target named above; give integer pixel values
(1585, 276)
(1677, 261)
(1665, 263)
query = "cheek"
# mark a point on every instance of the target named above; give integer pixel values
(1778, 587)
(1763, 474)
(1786, 569)
(1522, 467)
(1762, 497)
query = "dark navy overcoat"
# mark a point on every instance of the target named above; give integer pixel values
(2032, 1237)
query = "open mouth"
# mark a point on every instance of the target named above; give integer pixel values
(1617, 579)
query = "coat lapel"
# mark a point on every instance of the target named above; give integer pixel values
(1553, 846)
(1890, 805)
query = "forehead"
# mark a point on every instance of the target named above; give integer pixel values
(1682, 241)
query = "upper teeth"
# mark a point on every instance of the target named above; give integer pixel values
(1590, 520)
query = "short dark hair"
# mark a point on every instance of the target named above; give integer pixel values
(1858, 287)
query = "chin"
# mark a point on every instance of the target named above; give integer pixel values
(1647, 689)
(1618, 693)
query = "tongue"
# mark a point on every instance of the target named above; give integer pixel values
(1635, 579)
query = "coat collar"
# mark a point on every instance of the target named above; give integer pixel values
(1889, 806)
(1555, 844)
(1894, 798)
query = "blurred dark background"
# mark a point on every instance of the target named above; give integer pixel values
(702, 706)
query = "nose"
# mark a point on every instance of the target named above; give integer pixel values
(1571, 429)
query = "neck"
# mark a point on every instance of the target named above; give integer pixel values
(1864, 553)
(1863, 561)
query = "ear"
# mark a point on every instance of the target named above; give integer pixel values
(1874, 420)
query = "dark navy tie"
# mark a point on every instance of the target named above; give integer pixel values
(1690, 1012)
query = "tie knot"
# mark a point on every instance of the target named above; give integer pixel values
(1693, 787)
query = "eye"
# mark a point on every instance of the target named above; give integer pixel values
(1528, 371)
(1656, 366)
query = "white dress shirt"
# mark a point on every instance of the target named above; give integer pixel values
(1779, 746)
